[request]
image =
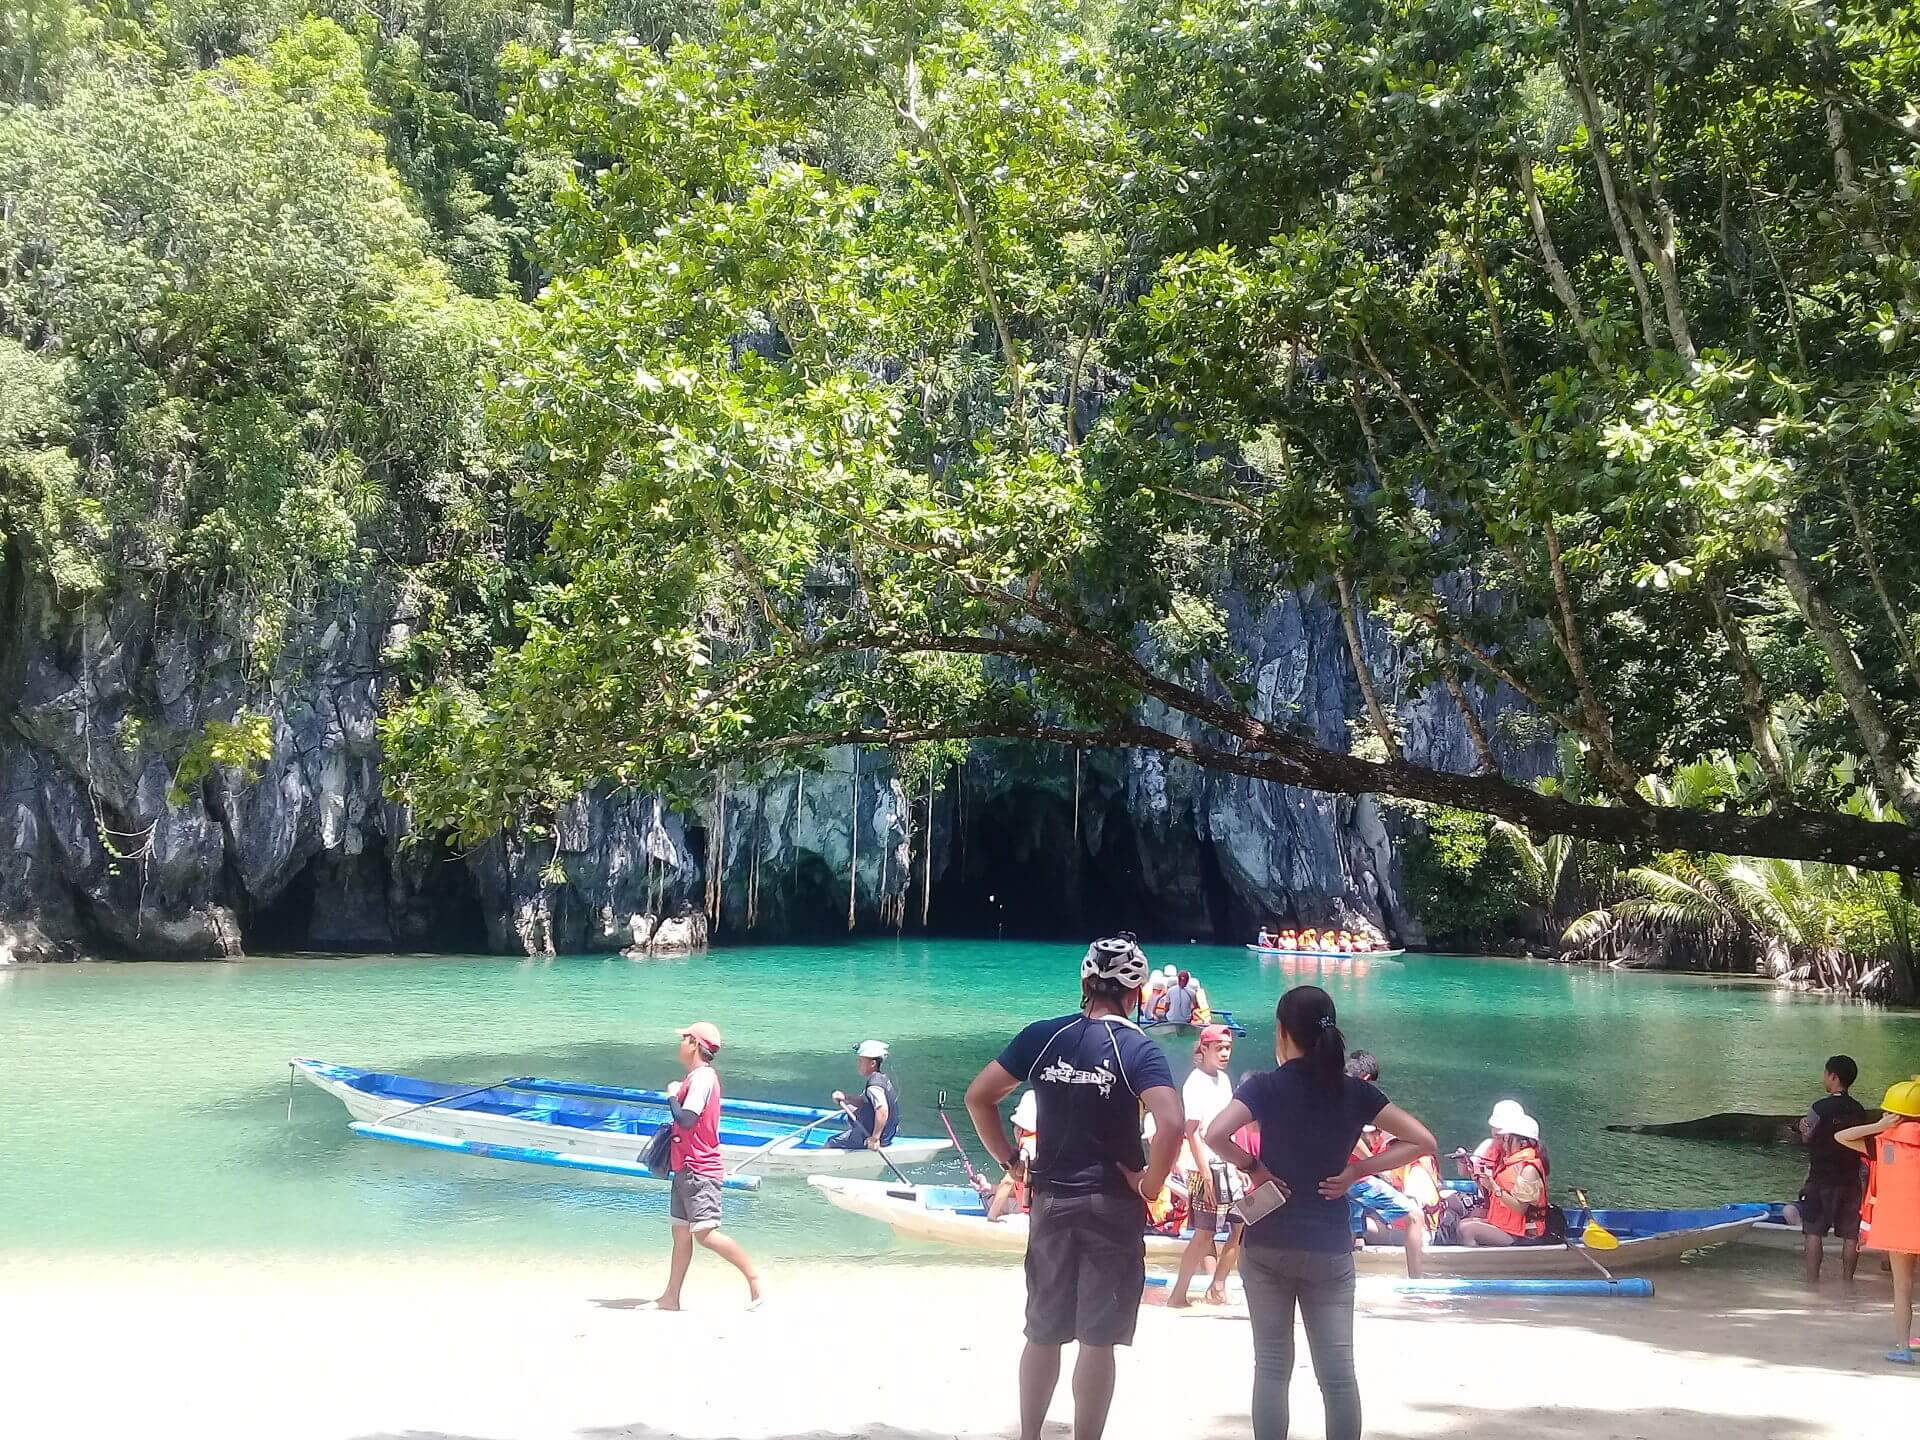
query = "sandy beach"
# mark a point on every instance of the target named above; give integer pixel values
(913, 1347)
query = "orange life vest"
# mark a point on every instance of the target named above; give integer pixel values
(1890, 1215)
(1531, 1223)
(1420, 1183)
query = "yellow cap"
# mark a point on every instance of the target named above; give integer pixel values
(1903, 1098)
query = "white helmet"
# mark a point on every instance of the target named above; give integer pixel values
(1505, 1114)
(871, 1050)
(1119, 958)
(1026, 1115)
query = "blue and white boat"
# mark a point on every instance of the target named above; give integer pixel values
(954, 1215)
(601, 1122)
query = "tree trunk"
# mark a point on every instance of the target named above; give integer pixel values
(1753, 696)
(1377, 712)
(1556, 268)
(1576, 77)
(1877, 738)
(1902, 636)
(1476, 732)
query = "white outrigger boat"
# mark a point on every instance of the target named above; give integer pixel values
(955, 1215)
(575, 1123)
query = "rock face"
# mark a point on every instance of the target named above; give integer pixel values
(103, 853)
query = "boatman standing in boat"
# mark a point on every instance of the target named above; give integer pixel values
(1086, 1248)
(875, 1120)
(694, 1203)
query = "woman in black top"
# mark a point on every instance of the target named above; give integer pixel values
(1309, 1113)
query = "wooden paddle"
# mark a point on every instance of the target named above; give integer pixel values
(787, 1138)
(1594, 1235)
(879, 1150)
(973, 1175)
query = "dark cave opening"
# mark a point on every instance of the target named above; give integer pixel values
(357, 903)
(285, 922)
(1019, 871)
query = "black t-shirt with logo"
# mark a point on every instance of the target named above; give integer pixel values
(1087, 1077)
(1828, 1161)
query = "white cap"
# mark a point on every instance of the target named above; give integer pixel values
(1505, 1113)
(1026, 1115)
(1525, 1126)
(871, 1050)
(1170, 971)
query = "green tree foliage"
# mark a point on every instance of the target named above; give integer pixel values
(227, 352)
(1458, 881)
(928, 371)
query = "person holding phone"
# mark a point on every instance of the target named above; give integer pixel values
(1299, 1244)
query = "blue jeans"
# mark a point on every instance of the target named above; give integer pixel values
(1320, 1285)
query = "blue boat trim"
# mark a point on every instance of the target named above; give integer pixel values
(559, 1160)
(1628, 1289)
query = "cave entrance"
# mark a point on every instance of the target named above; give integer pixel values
(285, 922)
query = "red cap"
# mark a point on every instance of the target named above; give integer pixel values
(706, 1033)
(1213, 1034)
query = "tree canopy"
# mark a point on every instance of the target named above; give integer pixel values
(932, 372)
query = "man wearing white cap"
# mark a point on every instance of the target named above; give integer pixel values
(876, 1119)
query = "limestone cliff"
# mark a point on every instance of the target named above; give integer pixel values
(104, 854)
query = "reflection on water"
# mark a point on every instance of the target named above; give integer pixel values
(144, 1108)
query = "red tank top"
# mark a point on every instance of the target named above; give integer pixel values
(696, 1148)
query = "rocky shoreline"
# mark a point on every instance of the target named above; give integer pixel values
(107, 855)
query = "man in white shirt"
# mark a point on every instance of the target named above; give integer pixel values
(1212, 1183)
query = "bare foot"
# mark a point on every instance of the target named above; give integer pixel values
(663, 1303)
(1178, 1302)
(1214, 1298)
(756, 1292)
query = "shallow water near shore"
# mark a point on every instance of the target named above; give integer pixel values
(144, 1107)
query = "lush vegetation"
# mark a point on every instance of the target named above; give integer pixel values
(913, 373)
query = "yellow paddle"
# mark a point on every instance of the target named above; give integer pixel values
(1593, 1234)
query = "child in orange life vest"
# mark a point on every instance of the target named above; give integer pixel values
(1417, 1187)
(1890, 1216)
(1012, 1192)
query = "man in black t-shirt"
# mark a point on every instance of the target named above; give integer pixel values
(1830, 1200)
(1086, 1239)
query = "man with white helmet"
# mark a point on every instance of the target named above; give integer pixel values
(1091, 1073)
(876, 1119)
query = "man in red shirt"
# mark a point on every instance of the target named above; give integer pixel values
(697, 1169)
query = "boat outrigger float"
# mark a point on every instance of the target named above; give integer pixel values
(602, 1128)
(956, 1215)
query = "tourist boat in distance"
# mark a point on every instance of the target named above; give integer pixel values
(1275, 952)
(606, 1122)
(955, 1215)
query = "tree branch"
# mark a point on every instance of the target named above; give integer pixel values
(1556, 268)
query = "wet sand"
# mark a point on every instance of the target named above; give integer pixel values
(913, 1347)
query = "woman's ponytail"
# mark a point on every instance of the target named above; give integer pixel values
(1306, 1014)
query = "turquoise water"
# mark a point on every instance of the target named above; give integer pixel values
(144, 1107)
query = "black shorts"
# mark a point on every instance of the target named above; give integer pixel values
(1086, 1267)
(1829, 1205)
